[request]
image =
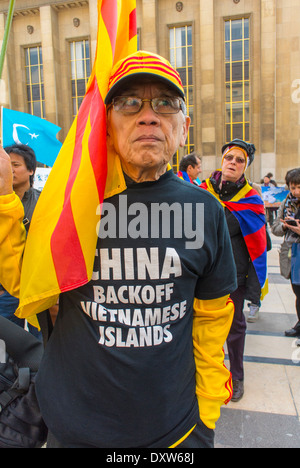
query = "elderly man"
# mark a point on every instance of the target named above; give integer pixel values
(136, 356)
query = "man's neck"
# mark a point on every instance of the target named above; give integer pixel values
(143, 175)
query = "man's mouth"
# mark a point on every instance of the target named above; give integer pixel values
(148, 138)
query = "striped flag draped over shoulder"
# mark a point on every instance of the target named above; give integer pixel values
(60, 249)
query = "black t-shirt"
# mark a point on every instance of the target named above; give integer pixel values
(119, 370)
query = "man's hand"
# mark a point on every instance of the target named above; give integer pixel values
(295, 227)
(6, 176)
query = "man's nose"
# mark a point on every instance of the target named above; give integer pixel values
(147, 116)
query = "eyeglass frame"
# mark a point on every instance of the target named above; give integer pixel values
(181, 102)
(238, 159)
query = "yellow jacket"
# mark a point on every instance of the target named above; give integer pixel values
(211, 323)
(12, 242)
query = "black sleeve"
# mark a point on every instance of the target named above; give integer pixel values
(22, 346)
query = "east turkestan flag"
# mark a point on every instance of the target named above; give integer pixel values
(27, 129)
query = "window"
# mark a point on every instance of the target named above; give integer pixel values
(181, 57)
(237, 79)
(35, 81)
(80, 71)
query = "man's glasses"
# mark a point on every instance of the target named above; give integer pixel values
(163, 105)
(238, 159)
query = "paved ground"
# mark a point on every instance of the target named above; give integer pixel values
(268, 416)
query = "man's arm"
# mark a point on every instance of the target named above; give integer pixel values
(6, 176)
(211, 325)
(12, 231)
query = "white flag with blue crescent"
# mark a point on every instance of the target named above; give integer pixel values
(26, 129)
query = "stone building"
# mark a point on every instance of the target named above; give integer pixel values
(239, 61)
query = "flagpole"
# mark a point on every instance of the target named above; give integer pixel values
(6, 34)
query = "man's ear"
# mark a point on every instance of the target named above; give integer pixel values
(188, 168)
(186, 125)
(108, 133)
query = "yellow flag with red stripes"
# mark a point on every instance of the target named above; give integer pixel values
(60, 249)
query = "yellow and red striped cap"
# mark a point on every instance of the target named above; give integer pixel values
(140, 64)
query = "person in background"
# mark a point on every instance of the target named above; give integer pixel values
(23, 163)
(244, 211)
(271, 212)
(287, 225)
(190, 168)
(268, 181)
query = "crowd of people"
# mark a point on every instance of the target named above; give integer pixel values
(136, 356)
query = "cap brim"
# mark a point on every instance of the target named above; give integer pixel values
(121, 84)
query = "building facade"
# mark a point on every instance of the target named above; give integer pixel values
(239, 61)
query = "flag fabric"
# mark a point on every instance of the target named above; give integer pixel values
(27, 129)
(60, 249)
(184, 176)
(248, 208)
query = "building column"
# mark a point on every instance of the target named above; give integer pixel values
(149, 30)
(50, 44)
(4, 81)
(93, 13)
(207, 119)
(268, 87)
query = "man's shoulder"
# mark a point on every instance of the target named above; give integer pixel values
(35, 193)
(30, 200)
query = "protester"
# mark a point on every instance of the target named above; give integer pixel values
(271, 212)
(244, 212)
(255, 302)
(135, 358)
(268, 181)
(288, 225)
(23, 162)
(190, 168)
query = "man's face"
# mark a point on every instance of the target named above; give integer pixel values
(146, 141)
(195, 171)
(21, 174)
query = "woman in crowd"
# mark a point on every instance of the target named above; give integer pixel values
(288, 225)
(245, 217)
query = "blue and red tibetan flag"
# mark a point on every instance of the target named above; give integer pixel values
(184, 176)
(248, 208)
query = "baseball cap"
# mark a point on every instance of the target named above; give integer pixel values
(142, 64)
